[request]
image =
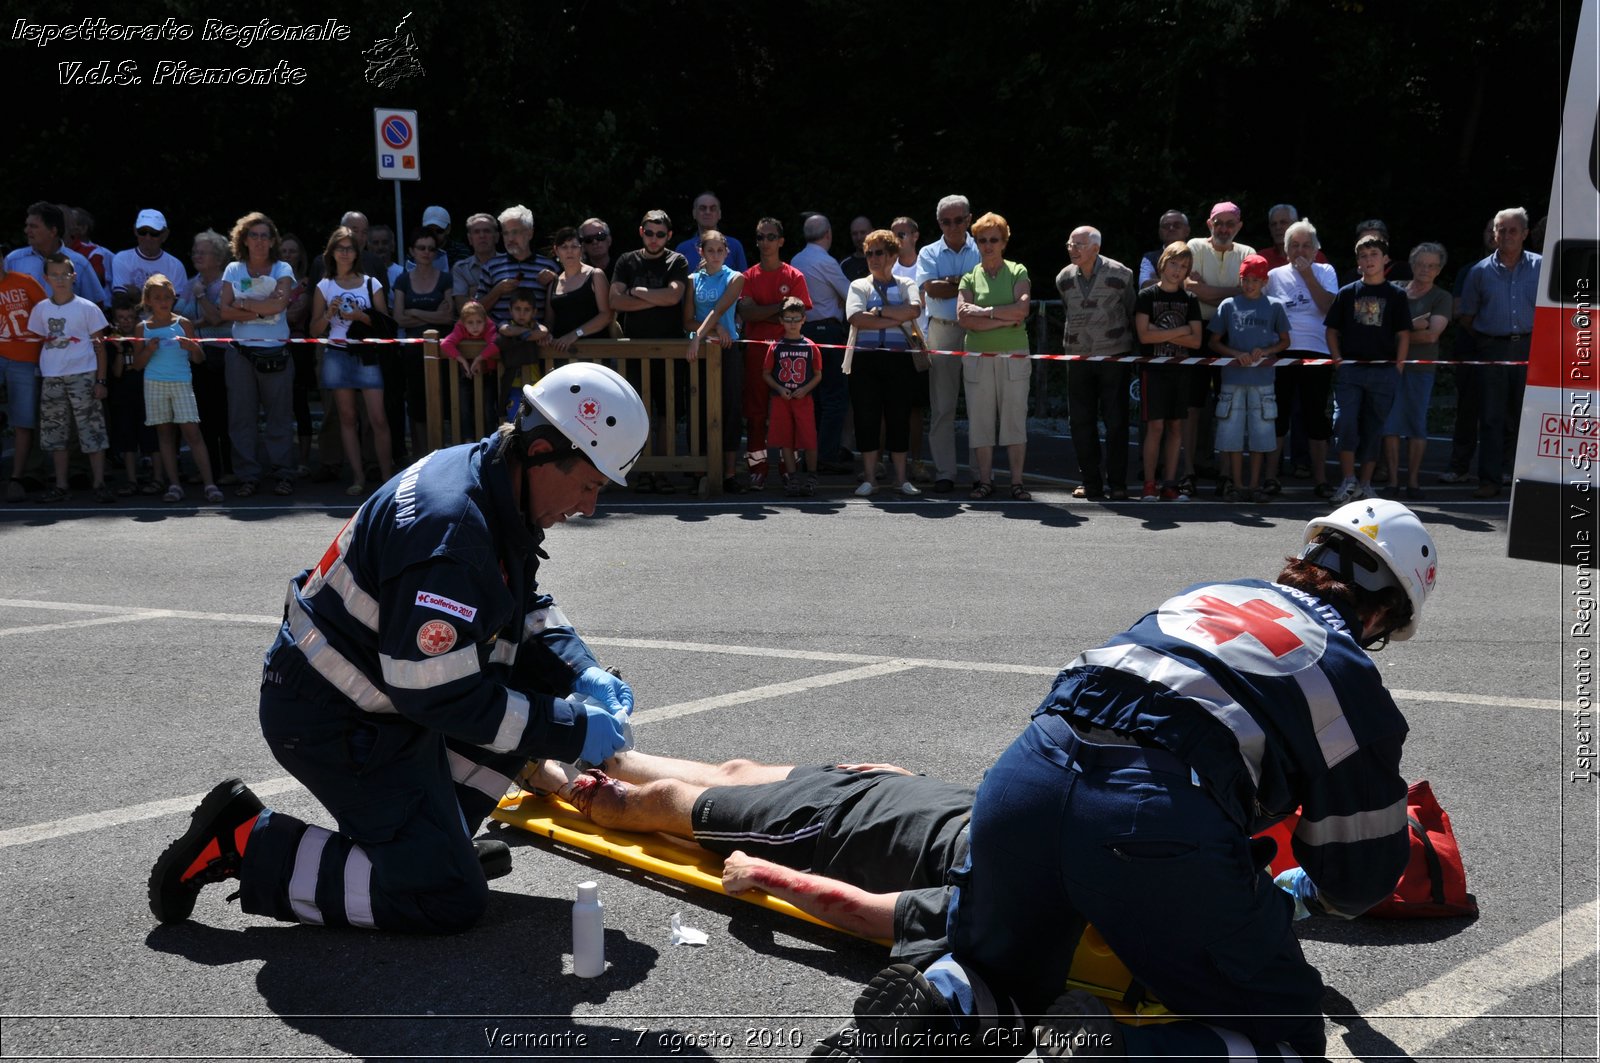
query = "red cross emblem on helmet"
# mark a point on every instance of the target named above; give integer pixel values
(588, 409)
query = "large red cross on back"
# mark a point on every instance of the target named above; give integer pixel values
(1223, 622)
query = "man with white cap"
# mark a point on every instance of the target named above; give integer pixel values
(438, 219)
(131, 268)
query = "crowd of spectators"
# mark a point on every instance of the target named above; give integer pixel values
(505, 295)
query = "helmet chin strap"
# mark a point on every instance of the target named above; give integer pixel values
(1340, 557)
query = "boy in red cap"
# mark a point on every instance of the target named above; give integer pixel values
(1249, 328)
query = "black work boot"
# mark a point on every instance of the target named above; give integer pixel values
(209, 851)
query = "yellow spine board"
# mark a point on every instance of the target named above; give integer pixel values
(1094, 967)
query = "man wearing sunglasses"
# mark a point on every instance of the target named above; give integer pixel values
(649, 283)
(131, 268)
(766, 285)
(940, 267)
(595, 236)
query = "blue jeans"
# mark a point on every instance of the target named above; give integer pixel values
(1363, 393)
(1065, 832)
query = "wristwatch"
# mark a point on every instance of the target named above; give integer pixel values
(100, 382)
(578, 332)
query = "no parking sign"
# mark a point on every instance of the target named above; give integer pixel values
(396, 133)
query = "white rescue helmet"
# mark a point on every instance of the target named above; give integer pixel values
(1392, 549)
(596, 409)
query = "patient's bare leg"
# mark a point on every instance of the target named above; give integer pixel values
(633, 766)
(663, 805)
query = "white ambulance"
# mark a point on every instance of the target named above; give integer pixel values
(1554, 499)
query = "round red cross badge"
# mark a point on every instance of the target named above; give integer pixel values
(1252, 629)
(436, 637)
(588, 410)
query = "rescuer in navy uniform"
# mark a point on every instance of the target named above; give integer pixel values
(1130, 801)
(417, 670)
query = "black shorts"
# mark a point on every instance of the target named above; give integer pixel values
(1164, 392)
(777, 821)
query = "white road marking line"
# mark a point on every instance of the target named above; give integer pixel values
(120, 618)
(1476, 699)
(1424, 1016)
(1437, 696)
(61, 828)
(817, 655)
(773, 690)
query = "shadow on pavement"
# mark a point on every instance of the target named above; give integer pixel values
(384, 995)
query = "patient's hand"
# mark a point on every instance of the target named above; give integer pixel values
(742, 873)
(874, 767)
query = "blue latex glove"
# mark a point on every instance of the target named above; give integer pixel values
(605, 688)
(607, 733)
(1298, 885)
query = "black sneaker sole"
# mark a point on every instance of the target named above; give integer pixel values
(170, 901)
(896, 1011)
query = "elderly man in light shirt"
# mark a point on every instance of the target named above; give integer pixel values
(940, 267)
(825, 327)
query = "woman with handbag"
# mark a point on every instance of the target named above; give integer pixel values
(882, 307)
(255, 297)
(345, 298)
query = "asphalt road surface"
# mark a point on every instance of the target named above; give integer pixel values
(920, 633)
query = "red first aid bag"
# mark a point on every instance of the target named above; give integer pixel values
(1435, 880)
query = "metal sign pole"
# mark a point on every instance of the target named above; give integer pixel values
(399, 231)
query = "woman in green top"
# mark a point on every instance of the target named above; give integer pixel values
(992, 305)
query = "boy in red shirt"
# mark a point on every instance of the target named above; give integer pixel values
(792, 368)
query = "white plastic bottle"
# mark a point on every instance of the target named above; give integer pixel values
(588, 932)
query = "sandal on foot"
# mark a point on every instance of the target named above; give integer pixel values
(245, 489)
(174, 494)
(102, 493)
(646, 484)
(356, 489)
(213, 493)
(983, 490)
(284, 486)
(1020, 493)
(55, 494)
(126, 488)
(1271, 486)
(149, 487)
(665, 486)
